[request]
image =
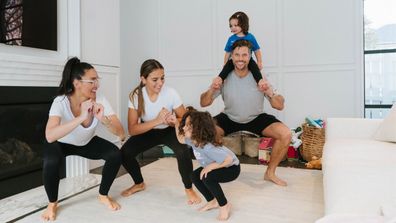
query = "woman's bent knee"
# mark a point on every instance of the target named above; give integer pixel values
(115, 156)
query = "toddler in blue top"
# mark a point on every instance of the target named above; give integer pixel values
(218, 163)
(239, 25)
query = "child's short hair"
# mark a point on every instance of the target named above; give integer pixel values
(243, 21)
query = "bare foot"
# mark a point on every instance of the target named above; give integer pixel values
(192, 197)
(113, 205)
(224, 212)
(208, 206)
(50, 213)
(134, 189)
(274, 179)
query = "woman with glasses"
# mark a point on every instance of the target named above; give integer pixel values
(151, 105)
(74, 115)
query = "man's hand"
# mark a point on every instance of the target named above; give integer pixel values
(206, 97)
(216, 83)
(264, 86)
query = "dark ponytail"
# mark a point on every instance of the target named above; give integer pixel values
(74, 69)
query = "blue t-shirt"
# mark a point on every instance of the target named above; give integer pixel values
(210, 153)
(249, 37)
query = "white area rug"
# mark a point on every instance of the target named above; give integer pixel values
(253, 199)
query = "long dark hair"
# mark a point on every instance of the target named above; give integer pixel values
(203, 128)
(243, 21)
(74, 69)
(147, 67)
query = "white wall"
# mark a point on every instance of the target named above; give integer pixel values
(312, 50)
(100, 46)
(139, 41)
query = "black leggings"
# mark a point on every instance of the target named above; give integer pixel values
(210, 187)
(97, 148)
(229, 66)
(140, 143)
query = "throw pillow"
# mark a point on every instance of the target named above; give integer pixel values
(387, 129)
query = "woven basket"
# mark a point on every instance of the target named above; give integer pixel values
(234, 143)
(251, 145)
(242, 142)
(313, 139)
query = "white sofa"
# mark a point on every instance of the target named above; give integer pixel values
(359, 173)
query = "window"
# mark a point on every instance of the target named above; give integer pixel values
(379, 56)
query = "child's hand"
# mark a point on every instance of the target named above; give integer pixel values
(172, 120)
(216, 83)
(204, 172)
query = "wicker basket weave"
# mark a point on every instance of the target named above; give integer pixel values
(234, 143)
(251, 145)
(313, 139)
(242, 142)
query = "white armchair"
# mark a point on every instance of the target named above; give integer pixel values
(359, 173)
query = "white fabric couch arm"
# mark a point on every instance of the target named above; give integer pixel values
(351, 128)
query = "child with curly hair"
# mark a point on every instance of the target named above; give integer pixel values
(218, 163)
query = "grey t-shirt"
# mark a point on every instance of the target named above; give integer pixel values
(210, 153)
(242, 100)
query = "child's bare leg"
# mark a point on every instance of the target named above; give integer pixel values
(50, 212)
(113, 205)
(208, 206)
(224, 212)
(134, 189)
(192, 197)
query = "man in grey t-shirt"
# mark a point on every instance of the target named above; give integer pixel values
(243, 101)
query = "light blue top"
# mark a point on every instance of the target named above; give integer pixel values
(249, 37)
(211, 153)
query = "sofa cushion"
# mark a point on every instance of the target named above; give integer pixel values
(358, 176)
(387, 129)
(348, 218)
